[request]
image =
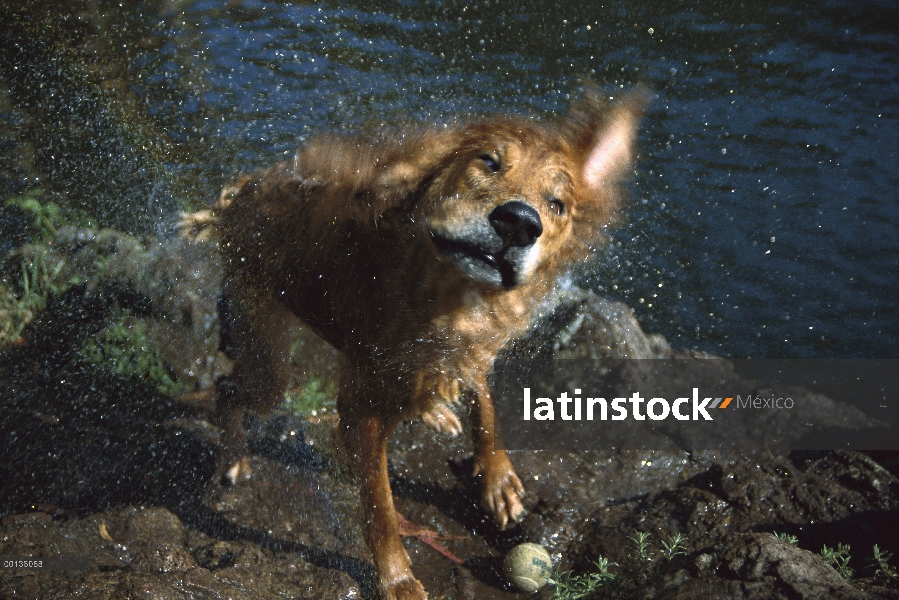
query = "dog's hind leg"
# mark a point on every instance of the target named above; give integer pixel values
(366, 441)
(501, 489)
(256, 335)
(232, 464)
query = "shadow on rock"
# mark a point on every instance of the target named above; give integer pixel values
(82, 442)
(80, 437)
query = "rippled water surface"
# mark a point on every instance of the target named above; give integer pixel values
(764, 212)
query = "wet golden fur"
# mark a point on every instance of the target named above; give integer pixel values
(419, 256)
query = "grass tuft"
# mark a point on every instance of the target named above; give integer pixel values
(838, 559)
(884, 573)
(124, 348)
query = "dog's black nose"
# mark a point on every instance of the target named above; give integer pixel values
(516, 223)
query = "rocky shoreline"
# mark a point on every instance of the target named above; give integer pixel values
(101, 464)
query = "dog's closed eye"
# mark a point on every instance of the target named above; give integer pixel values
(491, 161)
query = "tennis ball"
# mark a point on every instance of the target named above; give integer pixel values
(527, 567)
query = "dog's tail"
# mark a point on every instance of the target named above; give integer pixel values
(203, 226)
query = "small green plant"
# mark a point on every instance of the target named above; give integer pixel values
(47, 217)
(638, 568)
(124, 348)
(674, 547)
(576, 587)
(786, 537)
(642, 553)
(316, 395)
(839, 559)
(22, 301)
(24, 295)
(641, 570)
(40, 280)
(884, 573)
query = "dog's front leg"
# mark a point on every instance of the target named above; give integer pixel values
(501, 489)
(366, 440)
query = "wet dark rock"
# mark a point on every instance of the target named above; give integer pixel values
(109, 469)
(810, 496)
(594, 328)
(754, 565)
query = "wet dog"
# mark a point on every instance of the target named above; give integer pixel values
(419, 255)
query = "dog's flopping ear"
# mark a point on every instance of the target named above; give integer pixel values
(603, 129)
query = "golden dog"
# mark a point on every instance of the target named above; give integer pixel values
(419, 255)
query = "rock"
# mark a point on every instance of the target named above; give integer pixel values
(756, 565)
(812, 497)
(600, 329)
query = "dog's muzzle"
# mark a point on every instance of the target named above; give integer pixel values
(498, 251)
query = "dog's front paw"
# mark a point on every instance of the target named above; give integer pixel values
(442, 419)
(430, 387)
(405, 588)
(238, 471)
(501, 489)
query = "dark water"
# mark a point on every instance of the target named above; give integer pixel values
(764, 211)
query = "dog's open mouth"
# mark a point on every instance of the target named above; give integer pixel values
(477, 262)
(467, 249)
